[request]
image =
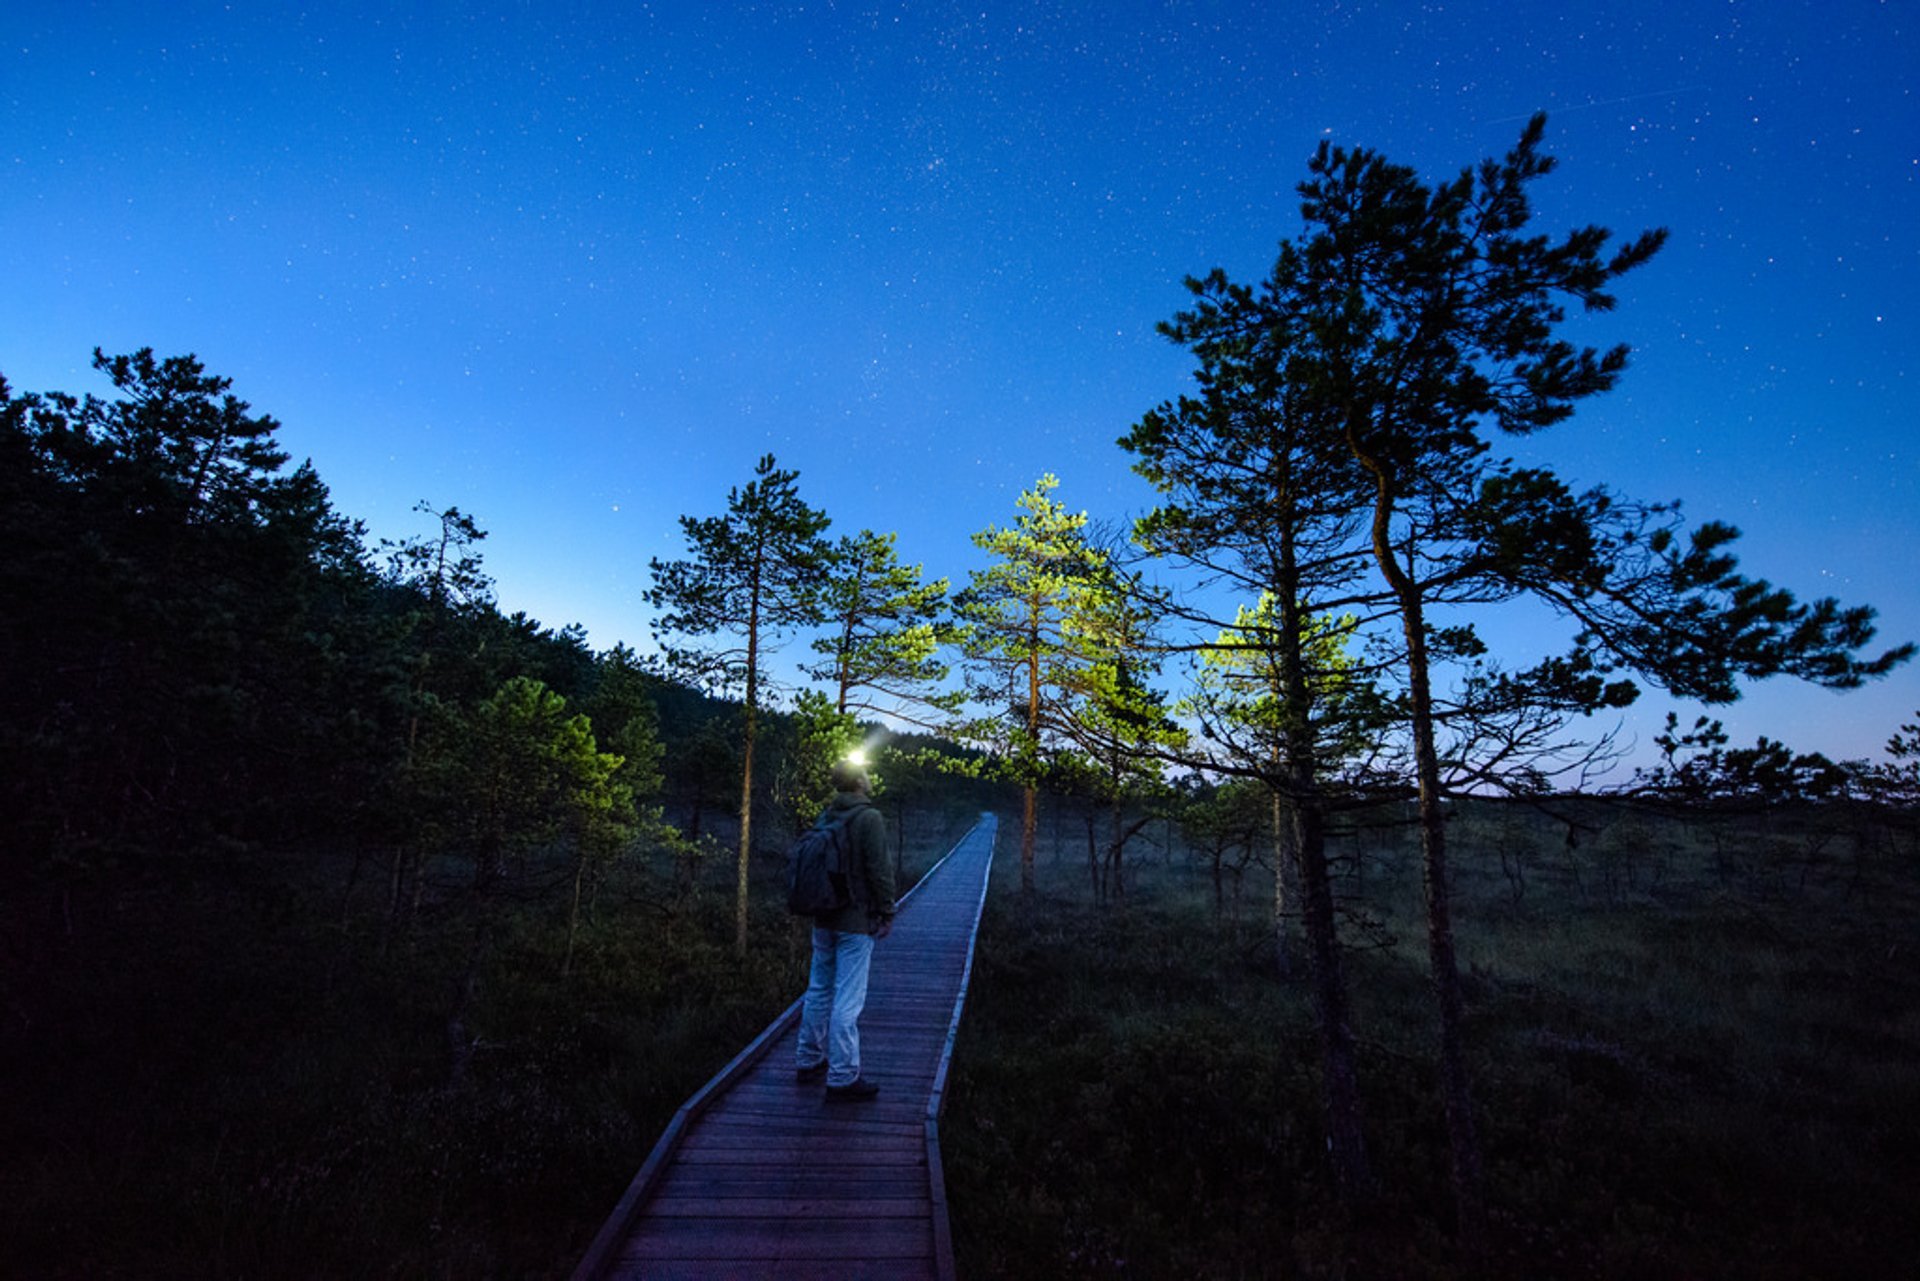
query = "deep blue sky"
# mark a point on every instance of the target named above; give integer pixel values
(575, 267)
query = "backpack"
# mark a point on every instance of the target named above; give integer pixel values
(817, 873)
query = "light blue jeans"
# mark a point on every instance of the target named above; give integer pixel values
(836, 993)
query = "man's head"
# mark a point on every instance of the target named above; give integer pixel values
(848, 777)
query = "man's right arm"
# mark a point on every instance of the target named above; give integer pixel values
(880, 885)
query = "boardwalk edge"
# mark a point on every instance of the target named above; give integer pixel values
(943, 1263)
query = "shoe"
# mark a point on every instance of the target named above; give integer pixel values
(814, 1073)
(854, 1091)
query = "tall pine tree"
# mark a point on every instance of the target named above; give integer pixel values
(1011, 617)
(1421, 317)
(885, 631)
(751, 576)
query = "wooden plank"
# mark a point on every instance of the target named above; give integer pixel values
(871, 1119)
(769, 1123)
(799, 1144)
(779, 1238)
(889, 1107)
(820, 1158)
(782, 1270)
(789, 1207)
(721, 1184)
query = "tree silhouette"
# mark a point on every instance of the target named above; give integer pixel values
(1419, 316)
(170, 602)
(1259, 500)
(752, 575)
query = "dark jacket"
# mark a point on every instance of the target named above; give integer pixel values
(866, 843)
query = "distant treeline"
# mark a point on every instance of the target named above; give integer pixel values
(203, 657)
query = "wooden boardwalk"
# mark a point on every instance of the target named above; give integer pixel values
(758, 1176)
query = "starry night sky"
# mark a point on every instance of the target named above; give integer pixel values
(574, 267)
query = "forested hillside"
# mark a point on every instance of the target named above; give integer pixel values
(347, 916)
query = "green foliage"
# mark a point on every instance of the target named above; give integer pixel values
(819, 736)
(1013, 637)
(1240, 690)
(622, 711)
(752, 574)
(1114, 710)
(886, 630)
(520, 771)
(1013, 612)
(1015, 629)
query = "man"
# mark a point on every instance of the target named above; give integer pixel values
(843, 945)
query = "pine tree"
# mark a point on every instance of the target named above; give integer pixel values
(1110, 707)
(753, 574)
(1419, 316)
(1010, 619)
(517, 773)
(1259, 499)
(886, 629)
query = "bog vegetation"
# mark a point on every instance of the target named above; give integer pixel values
(357, 926)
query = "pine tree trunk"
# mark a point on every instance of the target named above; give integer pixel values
(1094, 879)
(460, 1041)
(417, 874)
(746, 841)
(1306, 827)
(1116, 821)
(1282, 860)
(746, 777)
(1219, 884)
(1346, 1139)
(573, 913)
(1028, 817)
(1029, 798)
(1456, 1089)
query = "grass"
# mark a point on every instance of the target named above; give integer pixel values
(217, 1080)
(1696, 1051)
(1677, 1075)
